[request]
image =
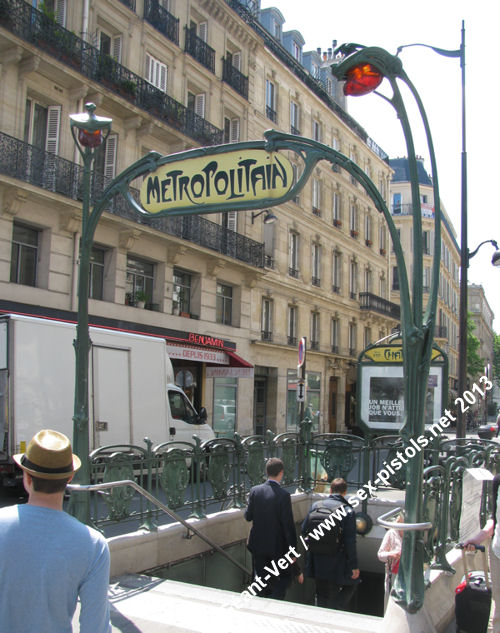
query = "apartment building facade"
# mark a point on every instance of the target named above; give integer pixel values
(447, 314)
(231, 295)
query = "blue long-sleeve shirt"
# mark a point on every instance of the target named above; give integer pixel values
(47, 560)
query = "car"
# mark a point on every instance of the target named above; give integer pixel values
(487, 431)
(224, 419)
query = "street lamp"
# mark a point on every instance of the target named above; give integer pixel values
(89, 133)
(269, 218)
(363, 69)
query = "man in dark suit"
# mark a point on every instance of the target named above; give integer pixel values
(337, 574)
(273, 534)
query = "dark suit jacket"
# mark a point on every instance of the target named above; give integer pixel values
(338, 567)
(273, 529)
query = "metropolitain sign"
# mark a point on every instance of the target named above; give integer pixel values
(240, 176)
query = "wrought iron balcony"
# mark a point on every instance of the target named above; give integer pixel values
(292, 340)
(335, 349)
(315, 345)
(369, 301)
(316, 281)
(336, 289)
(35, 27)
(294, 130)
(199, 49)
(293, 272)
(266, 336)
(162, 20)
(236, 79)
(52, 173)
(271, 114)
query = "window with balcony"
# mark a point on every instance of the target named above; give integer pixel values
(353, 220)
(271, 101)
(367, 336)
(294, 118)
(181, 292)
(224, 304)
(426, 244)
(156, 73)
(293, 254)
(397, 203)
(58, 8)
(382, 239)
(41, 130)
(139, 282)
(196, 103)
(110, 44)
(368, 279)
(352, 338)
(395, 278)
(368, 229)
(24, 257)
(335, 330)
(105, 161)
(316, 265)
(314, 330)
(292, 325)
(317, 132)
(267, 319)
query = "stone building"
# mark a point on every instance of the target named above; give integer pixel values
(231, 294)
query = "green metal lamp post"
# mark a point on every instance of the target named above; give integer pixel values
(363, 69)
(89, 133)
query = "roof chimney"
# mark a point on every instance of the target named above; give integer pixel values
(318, 50)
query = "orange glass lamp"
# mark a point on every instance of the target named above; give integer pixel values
(362, 79)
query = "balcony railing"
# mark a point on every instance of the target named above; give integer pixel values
(292, 340)
(335, 349)
(52, 173)
(336, 289)
(236, 79)
(294, 130)
(266, 336)
(271, 114)
(199, 49)
(162, 20)
(293, 272)
(369, 301)
(315, 345)
(316, 281)
(35, 27)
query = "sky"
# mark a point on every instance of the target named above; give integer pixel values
(392, 23)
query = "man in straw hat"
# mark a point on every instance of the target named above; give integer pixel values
(47, 558)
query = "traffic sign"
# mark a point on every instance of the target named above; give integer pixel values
(301, 391)
(302, 351)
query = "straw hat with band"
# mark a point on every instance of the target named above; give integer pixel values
(48, 456)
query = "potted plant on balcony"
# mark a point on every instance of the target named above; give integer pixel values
(141, 298)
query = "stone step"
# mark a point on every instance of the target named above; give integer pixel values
(142, 604)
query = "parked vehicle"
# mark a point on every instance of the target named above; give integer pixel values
(224, 419)
(132, 394)
(487, 431)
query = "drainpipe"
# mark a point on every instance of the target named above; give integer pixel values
(85, 19)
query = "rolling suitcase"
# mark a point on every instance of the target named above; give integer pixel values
(473, 598)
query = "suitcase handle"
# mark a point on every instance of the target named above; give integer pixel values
(482, 549)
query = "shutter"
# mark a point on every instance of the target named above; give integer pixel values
(162, 79)
(203, 31)
(110, 156)
(199, 104)
(232, 222)
(149, 68)
(53, 120)
(234, 136)
(116, 52)
(237, 60)
(61, 12)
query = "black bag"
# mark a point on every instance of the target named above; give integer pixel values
(473, 600)
(331, 539)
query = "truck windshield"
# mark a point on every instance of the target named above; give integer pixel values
(182, 409)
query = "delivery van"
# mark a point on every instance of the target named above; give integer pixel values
(132, 394)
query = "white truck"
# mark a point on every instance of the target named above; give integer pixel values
(132, 394)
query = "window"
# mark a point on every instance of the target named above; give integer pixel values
(353, 279)
(367, 336)
(337, 272)
(267, 319)
(316, 265)
(396, 203)
(353, 219)
(96, 272)
(56, 7)
(181, 408)
(294, 118)
(336, 209)
(224, 305)
(317, 131)
(352, 338)
(368, 279)
(426, 245)
(426, 282)
(296, 50)
(292, 325)
(156, 73)
(335, 328)
(277, 30)
(368, 229)
(181, 292)
(140, 280)
(110, 45)
(382, 239)
(231, 130)
(105, 160)
(314, 330)
(316, 196)
(25, 244)
(271, 101)
(395, 278)
(196, 103)
(268, 235)
(315, 70)
(383, 286)
(293, 254)
(225, 397)
(41, 125)
(296, 175)
(382, 187)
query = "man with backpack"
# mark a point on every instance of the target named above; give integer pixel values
(330, 533)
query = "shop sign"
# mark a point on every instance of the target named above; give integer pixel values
(198, 355)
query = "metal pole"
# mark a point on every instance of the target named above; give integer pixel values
(464, 260)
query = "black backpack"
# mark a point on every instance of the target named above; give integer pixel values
(331, 541)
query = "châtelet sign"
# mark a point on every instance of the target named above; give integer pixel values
(237, 176)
